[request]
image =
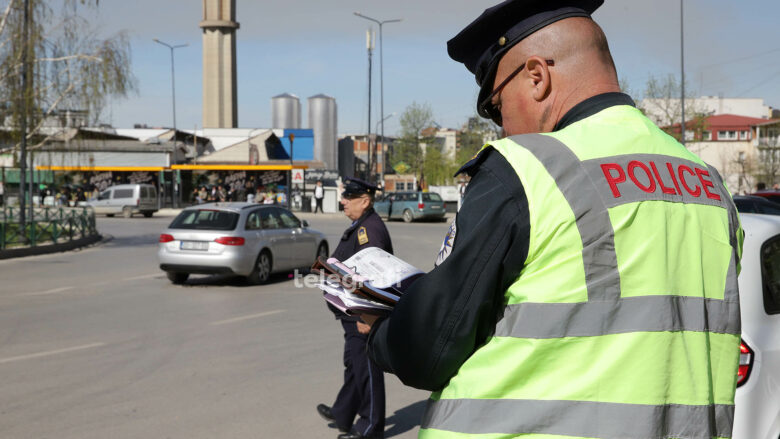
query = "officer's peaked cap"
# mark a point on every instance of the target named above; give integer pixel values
(482, 43)
(356, 186)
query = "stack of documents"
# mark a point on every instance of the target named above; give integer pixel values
(370, 282)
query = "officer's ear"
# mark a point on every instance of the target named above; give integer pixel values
(539, 71)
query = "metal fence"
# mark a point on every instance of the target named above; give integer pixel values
(49, 225)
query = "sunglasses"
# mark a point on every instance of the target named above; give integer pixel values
(494, 111)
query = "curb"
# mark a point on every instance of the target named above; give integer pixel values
(54, 248)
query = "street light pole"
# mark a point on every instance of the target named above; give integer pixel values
(682, 75)
(173, 93)
(381, 80)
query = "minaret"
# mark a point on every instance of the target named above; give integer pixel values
(220, 105)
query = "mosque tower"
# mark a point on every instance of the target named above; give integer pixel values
(220, 104)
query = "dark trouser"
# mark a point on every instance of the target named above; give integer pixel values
(319, 205)
(363, 392)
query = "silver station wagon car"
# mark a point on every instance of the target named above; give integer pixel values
(244, 239)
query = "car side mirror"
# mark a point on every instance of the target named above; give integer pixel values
(305, 223)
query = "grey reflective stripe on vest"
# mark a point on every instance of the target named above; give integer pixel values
(661, 177)
(579, 418)
(598, 238)
(732, 286)
(631, 314)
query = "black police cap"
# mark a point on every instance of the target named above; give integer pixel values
(356, 186)
(482, 43)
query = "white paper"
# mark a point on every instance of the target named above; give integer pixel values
(381, 268)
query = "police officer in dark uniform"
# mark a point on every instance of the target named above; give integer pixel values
(363, 392)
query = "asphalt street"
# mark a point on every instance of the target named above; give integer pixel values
(97, 343)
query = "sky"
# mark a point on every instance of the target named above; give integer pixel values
(308, 47)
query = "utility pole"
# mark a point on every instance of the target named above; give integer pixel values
(25, 97)
(370, 47)
(682, 82)
(381, 84)
(175, 174)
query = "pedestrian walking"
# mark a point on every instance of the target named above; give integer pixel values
(588, 285)
(363, 391)
(319, 195)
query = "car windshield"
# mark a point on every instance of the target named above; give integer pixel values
(431, 196)
(205, 219)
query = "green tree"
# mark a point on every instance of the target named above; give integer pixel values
(416, 131)
(473, 136)
(69, 65)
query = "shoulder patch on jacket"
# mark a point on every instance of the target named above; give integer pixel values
(449, 241)
(471, 166)
(362, 236)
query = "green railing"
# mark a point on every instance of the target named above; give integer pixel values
(49, 225)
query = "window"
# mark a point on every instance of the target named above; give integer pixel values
(770, 275)
(431, 196)
(744, 135)
(253, 221)
(727, 135)
(706, 135)
(204, 219)
(269, 219)
(689, 134)
(105, 195)
(744, 206)
(289, 220)
(123, 193)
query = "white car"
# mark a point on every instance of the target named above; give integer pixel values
(758, 387)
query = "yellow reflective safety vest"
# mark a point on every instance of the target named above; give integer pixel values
(624, 322)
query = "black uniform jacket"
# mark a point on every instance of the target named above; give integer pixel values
(368, 231)
(447, 314)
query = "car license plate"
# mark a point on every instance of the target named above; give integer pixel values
(195, 245)
(436, 207)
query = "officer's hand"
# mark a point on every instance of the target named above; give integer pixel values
(363, 328)
(369, 319)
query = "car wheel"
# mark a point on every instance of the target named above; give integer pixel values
(408, 216)
(262, 271)
(177, 278)
(148, 214)
(322, 250)
(127, 212)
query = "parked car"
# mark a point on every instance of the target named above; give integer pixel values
(754, 204)
(126, 199)
(771, 195)
(244, 239)
(410, 206)
(757, 413)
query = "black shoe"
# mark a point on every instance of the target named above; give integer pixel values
(324, 411)
(327, 415)
(356, 435)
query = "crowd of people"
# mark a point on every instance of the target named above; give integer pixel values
(249, 193)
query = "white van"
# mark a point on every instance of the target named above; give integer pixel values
(126, 199)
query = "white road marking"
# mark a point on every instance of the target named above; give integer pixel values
(146, 276)
(241, 319)
(49, 353)
(44, 293)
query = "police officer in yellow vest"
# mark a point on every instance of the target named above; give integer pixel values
(588, 286)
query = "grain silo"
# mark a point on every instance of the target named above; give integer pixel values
(285, 112)
(323, 121)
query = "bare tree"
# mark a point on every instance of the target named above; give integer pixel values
(71, 67)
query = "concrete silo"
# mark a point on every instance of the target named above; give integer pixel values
(285, 112)
(323, 120)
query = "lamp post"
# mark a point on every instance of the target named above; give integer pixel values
(381, 76)
(682, 76)
(382, 149)
(173, 94)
